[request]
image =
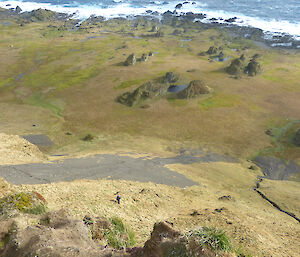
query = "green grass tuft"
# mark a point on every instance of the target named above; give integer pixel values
(212, 238)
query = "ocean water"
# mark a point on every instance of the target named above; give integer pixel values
(273, 16)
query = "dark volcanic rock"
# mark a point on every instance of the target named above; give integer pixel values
(130, 61)
(296, 138)
(18, 9)
(253, 68)
(195, 88)
(230, 20)
(178, 6)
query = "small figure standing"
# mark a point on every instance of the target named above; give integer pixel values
(118, 199)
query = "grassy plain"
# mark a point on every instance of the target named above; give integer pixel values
(75, 76)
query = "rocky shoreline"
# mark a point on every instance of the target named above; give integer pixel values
(175, 19)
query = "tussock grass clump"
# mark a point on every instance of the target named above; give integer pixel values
(212, 238)
(110, 232)
(23, 202)
(118, 235)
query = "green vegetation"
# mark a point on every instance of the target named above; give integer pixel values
(36, 210)
(177, 102)
(129, 83)
(22, 202)
(281, 138)
(212, 238)
(218, 101)
(40, 101)
(4, 241)
(118, 235)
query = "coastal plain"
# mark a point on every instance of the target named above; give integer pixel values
(62, 80)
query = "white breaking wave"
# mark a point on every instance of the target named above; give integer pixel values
(124, 9)
(274, 26)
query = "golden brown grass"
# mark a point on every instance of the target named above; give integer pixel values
(252, 223)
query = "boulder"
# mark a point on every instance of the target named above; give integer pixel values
(130, 61)
(178, 6)
(242, 57)
(212, 50)
(195, 88)
(230, 20)
(221, 56)
(296, 138)
(18, 9)
(155, 28)
(236, 67)
(253, 68)
(170, 77)
(144, 58)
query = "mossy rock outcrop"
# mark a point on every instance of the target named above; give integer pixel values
(195, 88)
(131, 60)
(170, 77)
(296, 138)
(145, 91)
(253, 68)
(236, 67)
(212, 50)
(43, 15)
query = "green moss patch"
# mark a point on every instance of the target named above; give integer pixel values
(212, 238)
